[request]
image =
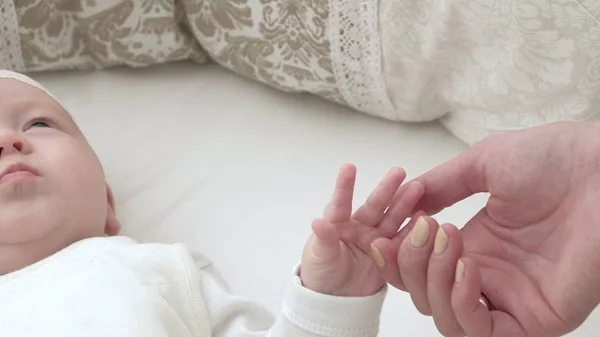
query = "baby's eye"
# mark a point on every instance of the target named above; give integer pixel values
(40, 124)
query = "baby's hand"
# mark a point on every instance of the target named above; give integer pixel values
(337, 258)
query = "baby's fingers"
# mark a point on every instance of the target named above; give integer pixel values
(474, 317)
(371, 213)
(325, 245)
(339, 208)
(384, 252)
(400, 209)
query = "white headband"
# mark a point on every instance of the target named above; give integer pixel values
(8, 74)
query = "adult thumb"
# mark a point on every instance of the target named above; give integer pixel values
(452, 181)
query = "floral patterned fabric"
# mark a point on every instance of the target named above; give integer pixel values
(479, 66)
(484, 67)
(281, 43)
(91, 34)
(278, 42)
(287, 47)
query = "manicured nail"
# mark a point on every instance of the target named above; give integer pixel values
(377, 256)
(441, 241)
(460, 271)
(420, 233)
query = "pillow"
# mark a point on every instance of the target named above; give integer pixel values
(80, 34)
(293, 46)
(284, 45)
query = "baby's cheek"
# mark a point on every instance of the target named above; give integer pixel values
(81, 180)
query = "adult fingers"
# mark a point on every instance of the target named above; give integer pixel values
(440, 279)
(413, 261)
(384, 252)
(472, 315)
(450, 182)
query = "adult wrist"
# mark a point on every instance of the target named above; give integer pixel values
(595, 124)
(587, 150)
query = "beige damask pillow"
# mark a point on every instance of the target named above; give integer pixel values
(282, 43)
(92, 34)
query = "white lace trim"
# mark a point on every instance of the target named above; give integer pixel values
(356, 56)
(10, 43)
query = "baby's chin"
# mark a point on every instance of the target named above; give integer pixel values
(28, 236)
(19, 252)
(27, 228)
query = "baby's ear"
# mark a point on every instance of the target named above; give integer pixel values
(113, 226)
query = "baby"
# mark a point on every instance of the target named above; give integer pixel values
(64, 271)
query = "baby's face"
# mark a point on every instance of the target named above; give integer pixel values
(52, 186)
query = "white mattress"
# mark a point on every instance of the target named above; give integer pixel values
(237, 171)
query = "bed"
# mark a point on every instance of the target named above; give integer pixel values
(240, 177)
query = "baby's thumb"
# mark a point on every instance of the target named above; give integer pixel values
(325, 246)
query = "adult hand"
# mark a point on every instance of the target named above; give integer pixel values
(533, 250)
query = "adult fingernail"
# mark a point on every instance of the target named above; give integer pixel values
(460, 271)
(377, 256)
(441, 241)
(420, 233)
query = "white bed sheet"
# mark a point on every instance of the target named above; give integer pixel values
(237, 171)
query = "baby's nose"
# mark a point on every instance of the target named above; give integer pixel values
(11, 143)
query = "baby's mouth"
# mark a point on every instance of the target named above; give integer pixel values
(17, 171)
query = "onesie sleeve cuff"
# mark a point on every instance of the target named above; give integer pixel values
(328, 315)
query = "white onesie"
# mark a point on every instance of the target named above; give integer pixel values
(117, 287)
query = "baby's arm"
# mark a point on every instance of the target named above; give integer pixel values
(304, 312)
(338, 291)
